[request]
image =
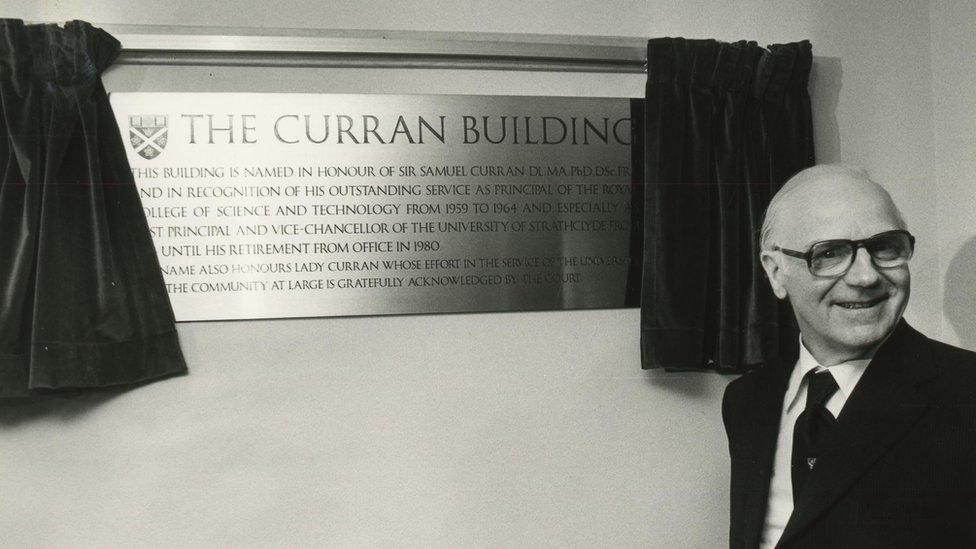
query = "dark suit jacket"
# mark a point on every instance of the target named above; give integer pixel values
(898, 470)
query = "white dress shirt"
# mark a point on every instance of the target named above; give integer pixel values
(780, 505)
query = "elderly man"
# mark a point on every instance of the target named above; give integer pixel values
(866, 436)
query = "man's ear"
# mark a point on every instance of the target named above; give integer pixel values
(774, 272)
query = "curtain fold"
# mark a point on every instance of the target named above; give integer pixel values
(725, 125)
(82, 299)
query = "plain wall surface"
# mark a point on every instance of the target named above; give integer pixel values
(506, 429)
(954, 147)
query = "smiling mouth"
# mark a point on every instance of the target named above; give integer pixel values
(861, 304)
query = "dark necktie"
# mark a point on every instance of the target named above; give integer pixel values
(811, 427)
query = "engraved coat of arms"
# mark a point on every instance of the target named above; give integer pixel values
(148, 135)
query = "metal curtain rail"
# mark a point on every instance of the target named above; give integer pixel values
(222, 46)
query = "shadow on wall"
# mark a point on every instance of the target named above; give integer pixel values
(959, 300)
(824, 86)
(692, 385)
(64, 406)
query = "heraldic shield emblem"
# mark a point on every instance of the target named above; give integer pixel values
(148, 135)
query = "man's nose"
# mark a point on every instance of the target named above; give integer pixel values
(862, 272)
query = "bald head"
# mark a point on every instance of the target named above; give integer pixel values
(820, 192)
(842, 316)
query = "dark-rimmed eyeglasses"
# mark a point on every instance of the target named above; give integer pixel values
(831, 258)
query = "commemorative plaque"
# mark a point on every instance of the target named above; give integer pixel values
(292, 205)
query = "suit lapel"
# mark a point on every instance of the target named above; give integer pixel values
(885, 404)
(764, 418)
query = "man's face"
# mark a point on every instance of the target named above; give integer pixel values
(845, 317)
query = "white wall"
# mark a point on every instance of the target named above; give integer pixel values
(512, 429)
(954, 148)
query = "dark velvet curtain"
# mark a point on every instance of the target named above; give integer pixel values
(82, 300)
(725, 125)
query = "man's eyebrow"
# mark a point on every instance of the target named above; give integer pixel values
(809, 244)
(812, 242)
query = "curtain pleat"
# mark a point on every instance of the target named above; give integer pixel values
(82, 299)
(725, 125)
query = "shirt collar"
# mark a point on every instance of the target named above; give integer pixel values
(846, 374)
